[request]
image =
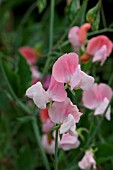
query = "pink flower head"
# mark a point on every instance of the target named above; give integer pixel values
(77, 36)
(101, 47)
(68, 142)
(55, 92)
(87, 161)
(29, 54)
(48, 144)
(67, 70)
(66, 114)
(97, 98)
(47, 124)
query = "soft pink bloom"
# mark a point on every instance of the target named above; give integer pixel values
(66, 114)
(77, 35)
(87, 161)
(55, 92)
(68, 142)
(47, 124)
(97, 98)
(67, 70)
(29, 54)
(48, 144)
(101, 47)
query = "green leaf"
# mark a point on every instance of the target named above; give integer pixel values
(41, 5)
(104, 153)
(24, 75)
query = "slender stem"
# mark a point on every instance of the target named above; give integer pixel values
(50, 39)
(56, 151)
(103, 17)
(38, 139)
(51, 24)
(28, 111)
(100, 31)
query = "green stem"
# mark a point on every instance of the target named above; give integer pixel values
(28, 111)
(100, 31)
(38, 139)
(51, 24)
(56, 151)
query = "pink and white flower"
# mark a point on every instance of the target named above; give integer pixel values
(69, 142)
(55, 92)
(97, 98)
(67, 70)
(77, 35)
(87, 161)
(47, 124)
(100, 47)
(66, 114)
(48, 144)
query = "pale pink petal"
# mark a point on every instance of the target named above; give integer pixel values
(105, 91)
(38, 94)
(47, 126)
(89, 97)
(48, 145)
(102, 107)
(35, 74)
(69, 142)
(65, 67)
(56, 91)
(87, 161)
(108, 113)
(73, 37)
(59, 111)
(100, 55)
(97, 42)
(68, 125)
(86, 81)
(76, 78)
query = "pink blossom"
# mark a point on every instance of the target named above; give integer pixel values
(35, 74)
(97, 98)
(48, 144)
(66, 114)
(87, 161)
(47, 124)
(67, 70)
(55, 92)
(101, 47)
(68, 142)
(46, 81)
(77, 35)
(29, 54)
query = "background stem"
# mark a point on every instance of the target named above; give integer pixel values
(56, 150)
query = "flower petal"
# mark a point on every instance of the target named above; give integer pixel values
(64, 67)
(56, 91)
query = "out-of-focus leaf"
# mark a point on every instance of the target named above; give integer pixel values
(41, 5)
(4, 102)
(104, 153)
(24, 75)
(80, 16)
(24, 119)
(72, 9)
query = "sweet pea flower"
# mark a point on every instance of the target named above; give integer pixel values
(77, 35)
(100, 47)
(68, 142)
(97, 98)
(67, 70)
(35, 74)
(48, 144)
(55, 92)
(29, 54)
(66, 114)
(87, 161)
(47, 124)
